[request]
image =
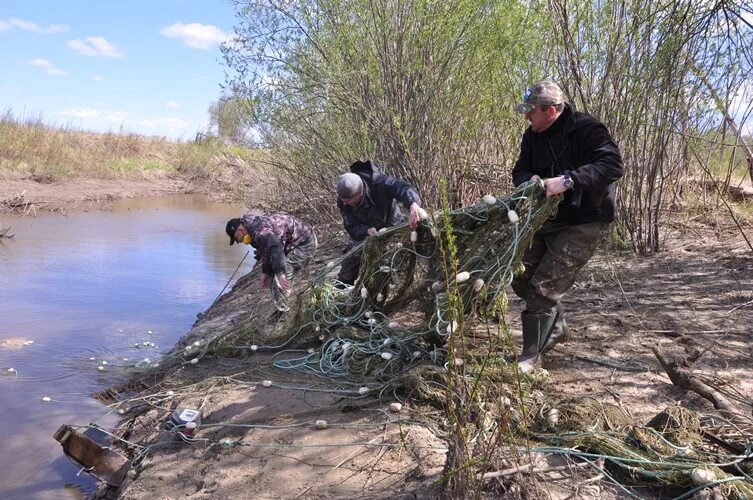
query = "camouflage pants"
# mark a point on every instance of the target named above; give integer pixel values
(557, 254)
(295, 260)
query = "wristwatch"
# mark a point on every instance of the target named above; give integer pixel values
(568, 180)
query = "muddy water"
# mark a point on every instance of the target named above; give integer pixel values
(80, 290)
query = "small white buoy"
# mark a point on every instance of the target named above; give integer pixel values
(363, 390)
(11, 370)
(489, 199)
(553, 417)
(702, 476)
(121, 411)
(101, 368)
(170, 393)
(125, 359)
(316, 328)
(104, 363)
(459, 362)
(371, 321)
(398, 245)
(137, 345)
(379, 297)
(29, 342)
(321, 424)
(422, 214)
(478, 285)
(396, 407)
(513, 216)
(385, 269)
(452, 327)
(346, 346)
(267, 383)
(382, 231)
(387, 341)
(310, 350)
(191, 425)
(386, 356)
(197, 343)
(330, 265)
(194, 361)
(367, 314)
(149, 332)
(322, 337)
(462, 277)
(92, 359)
(47, 399)
(364, 292)
(416, 354)
(413, 236)
(434, 232)
(254, 347)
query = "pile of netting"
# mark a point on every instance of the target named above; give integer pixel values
(678, 447)
(393, 325)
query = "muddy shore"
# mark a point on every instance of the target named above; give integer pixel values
(695, 295)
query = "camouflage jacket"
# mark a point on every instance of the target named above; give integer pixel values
(273, 236)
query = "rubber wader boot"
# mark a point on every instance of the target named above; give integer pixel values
(560, 332)
(536, 330)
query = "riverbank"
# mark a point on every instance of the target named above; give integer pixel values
(272, 432)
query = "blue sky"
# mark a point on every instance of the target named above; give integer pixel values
(150, 67)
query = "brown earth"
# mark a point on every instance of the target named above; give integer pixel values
(694, 300)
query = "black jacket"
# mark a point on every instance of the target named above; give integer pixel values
(581, 144)
(379, 206)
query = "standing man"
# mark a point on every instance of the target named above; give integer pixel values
(576, 157)
(284, 245)
(368, 201)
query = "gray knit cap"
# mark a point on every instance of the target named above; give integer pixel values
(348, 185)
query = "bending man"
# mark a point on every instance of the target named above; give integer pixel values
(284, 245)
(575, 156)
(368, 201)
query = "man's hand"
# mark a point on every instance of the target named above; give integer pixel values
(282, 280)
(265, 280)
(372, 231)
(414, 216)
(555, 186)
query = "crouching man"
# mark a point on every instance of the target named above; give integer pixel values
(284, 245)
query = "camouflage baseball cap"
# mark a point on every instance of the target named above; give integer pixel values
(546, 93)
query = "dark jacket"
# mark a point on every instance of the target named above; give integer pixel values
(581, 144)
(274, 236)
(379, 206)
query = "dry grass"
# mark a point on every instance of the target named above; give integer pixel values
(32, 148)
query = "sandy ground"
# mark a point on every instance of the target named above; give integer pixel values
(25, 195)
(695, 299)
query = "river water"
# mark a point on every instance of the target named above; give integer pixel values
(80, 290)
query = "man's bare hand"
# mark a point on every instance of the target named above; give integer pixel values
(265, 280)
(282, 280)
(414, 216)
(555, 186)
(372, 231)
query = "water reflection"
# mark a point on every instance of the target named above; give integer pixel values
(86, 288)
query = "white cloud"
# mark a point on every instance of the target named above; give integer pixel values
(171, 104)
(48, 67)
(95, 46)
(23, 24)
(98, 78)
(195, 35)
(80, 113)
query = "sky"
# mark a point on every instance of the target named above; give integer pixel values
(147, 67)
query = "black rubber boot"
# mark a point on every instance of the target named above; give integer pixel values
(536, 330)
(560, 332)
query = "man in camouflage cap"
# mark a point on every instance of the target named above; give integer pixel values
(573, 156)
(284, 245)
